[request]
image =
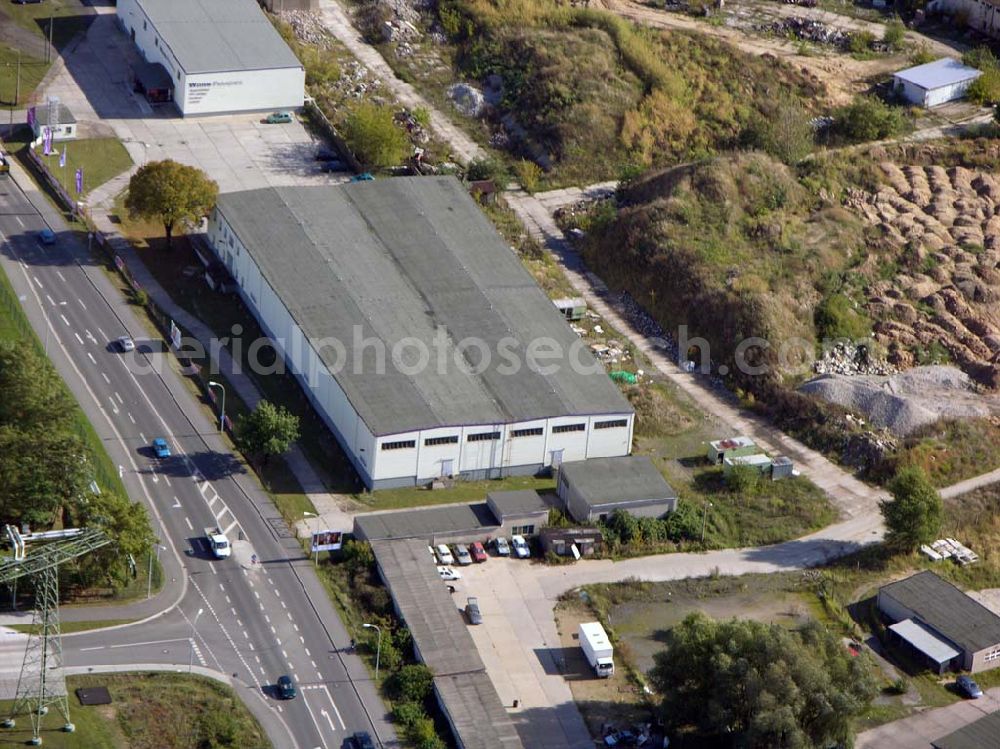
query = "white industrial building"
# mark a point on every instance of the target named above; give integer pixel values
(220, 55)
(935, 83)
(336, 274)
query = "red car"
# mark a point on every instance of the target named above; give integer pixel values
(477, 551)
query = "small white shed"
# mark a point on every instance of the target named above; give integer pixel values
(935, 83)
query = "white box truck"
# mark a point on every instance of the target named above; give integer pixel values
(597, 647)
(218, 542)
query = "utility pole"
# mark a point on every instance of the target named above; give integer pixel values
(48, 50)
(17, 92)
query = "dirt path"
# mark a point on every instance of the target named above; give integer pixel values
(843, 76)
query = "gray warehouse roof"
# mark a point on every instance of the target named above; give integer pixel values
(617, 481)
(413, 259)
(983, 734)
(425, 523)
(216, 36)
(443, 643)
(947, 610)
(937, 74)
(516, 503)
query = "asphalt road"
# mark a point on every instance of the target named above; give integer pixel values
(258, 620)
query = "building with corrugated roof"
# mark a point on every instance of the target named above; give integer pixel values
(219, 55)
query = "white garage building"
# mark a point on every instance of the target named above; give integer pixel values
(221, 55)
(935, 83)
(409, 323)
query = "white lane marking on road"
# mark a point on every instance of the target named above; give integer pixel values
(276, 592)
(96, 647)
(78, 338)
(90, 337)
(267, 618)
(115, 409)
(228, 601)
(177, 503)
(167, 479)
(142, 436)
(61, 276)
(61, 315)
(19, 221)
(92, 359)
(131, 417)
(284, 655)
(119, 397)
(186, 520)
(273, 630)
(257, 595)
(246, 634)
(283, 604)
(262, 671)
(106, 379)
(334, 704)
(317, 668)
(81, 302)
(289, 616)
(51, 300)
(296, 627)
(212, 567)
(301, 638)
(229, 528)
(221, 512)
(222, 587)
(308, 653)
(218, 621)
(35, 278)
(149, 642)
(103, 334)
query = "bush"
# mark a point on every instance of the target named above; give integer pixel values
(985, 90)
(783, 131)
(488, 169)
(411, 683)
(408, 714)
(374, 137)
(528, 174)
(895, 34)
(422, 116)
(744, 480)
(981, 58)
(860, 42)
(868, 118)
(835, 317)
(423, 735)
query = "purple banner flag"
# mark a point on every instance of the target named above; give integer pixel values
(31, 116)
(48, 142)
(62, 157)
(79, 180)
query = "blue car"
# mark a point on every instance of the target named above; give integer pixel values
(968, 687)
(47, 236)
(161, 448)
(364, 177)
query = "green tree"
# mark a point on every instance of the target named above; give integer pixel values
(374, 137)
(267, 430)
(868, 118)
(408, 713)
(894, 34)
(623, 526)
(782, 130)
(124, 521)
(411, 683)
(759, 686)
(913, 515)
(32, 392)
(43, 470)
(423, 735)
(170, 193)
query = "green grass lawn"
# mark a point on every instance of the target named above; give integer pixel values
(32, 72)
(148, 711)
(69, 17)
(100, 158)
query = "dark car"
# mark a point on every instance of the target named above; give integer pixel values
(472, 611)
(968, 687)
(286, 688)
(326, 154)
(477, 551)
(360, 740)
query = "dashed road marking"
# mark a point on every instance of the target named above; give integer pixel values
(186, 520)
(78, 338)
(94, 361)
(64, 318)
(105, 378)
(131, 417)
(51, 300)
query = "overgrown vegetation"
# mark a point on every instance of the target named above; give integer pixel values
(372, 134)
(949, 451)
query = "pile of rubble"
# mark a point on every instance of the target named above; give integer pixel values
(808, 30)
(846, 358)
(357, 82)
(307, 27)
(467, 99)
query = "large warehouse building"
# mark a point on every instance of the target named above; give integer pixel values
(421, 339)
(220, 55)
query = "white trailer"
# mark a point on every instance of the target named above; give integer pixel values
(597, 647)
(218, 542)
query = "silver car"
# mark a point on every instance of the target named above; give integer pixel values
(462, 554)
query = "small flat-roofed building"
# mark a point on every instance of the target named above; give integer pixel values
(942, 620)
(458, 523)
(719, 450)
(935, 83)
(981, 734)
(220, 55)
(571, 308)
(591, 490)
(759, 462)
(56, 117)
(562, 541)
(521, 513)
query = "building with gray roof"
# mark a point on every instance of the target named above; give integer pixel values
(593, 489)
(955, 630)
(416, 331)
(220, 55)
(981, 734)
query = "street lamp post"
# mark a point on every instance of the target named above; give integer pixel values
(704, 521)
(315, 554)
(193, 623)
(378, 650)
(222, 411)
(149, 578)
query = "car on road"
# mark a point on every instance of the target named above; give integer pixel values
(286, 688)
(501, 546)
(462, 554)
(4, 163)
(47, 236)
(444, 554)
(324, 153)
(472, 610)
(360, 740)
(363, 177)
(521, 550)
(160, 448)
(968, 687)
(477, 551)
(448, 574)
(278, 118)
(126, 344)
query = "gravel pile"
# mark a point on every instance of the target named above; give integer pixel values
(903, 402)
(467, 99)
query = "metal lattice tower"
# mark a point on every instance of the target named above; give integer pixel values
(42, 682)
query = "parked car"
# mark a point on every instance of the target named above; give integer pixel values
(47, 236)
(278, 118)
(360, 740)
(363, 177)
(477, 551)
(126, 344)
(286, 688)
(444, 554)
(968, 687)
(521, 550)
(462, 555)
(333, 166)
(160, 448)
(472, 610)
(501, 546)
(326, 154)
(448, 574)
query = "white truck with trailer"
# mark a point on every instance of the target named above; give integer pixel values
(597, 647)
(218, 542)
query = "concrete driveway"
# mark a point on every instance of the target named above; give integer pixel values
(239, 152)
(918, 731)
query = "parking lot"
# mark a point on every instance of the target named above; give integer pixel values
(238, 151)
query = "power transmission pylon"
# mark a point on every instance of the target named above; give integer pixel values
(42, 683)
